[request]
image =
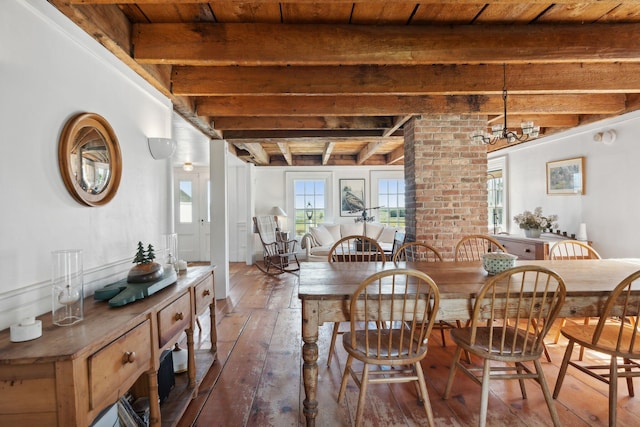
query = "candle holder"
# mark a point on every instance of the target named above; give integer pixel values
(67, 286)
(171, 251)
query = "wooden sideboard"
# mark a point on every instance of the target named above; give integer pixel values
(70, 374)
(529, 248)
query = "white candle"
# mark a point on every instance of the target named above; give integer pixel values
(582, 232)
(68, 297)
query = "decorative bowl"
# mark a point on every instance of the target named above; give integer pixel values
(497, 262)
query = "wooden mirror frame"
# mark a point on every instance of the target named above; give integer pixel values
(68, 143)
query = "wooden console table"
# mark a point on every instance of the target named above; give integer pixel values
(70, 374)
(529, 248)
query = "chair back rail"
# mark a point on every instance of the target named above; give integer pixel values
(472, 247)
(417, 251)
(572, 249)
(356, 248)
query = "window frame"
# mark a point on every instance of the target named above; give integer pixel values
(292, 177)
(375, 177)
(494, 164)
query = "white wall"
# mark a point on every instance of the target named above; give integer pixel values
(610, 205)
(51, 70)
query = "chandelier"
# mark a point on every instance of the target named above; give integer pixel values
(500, 131)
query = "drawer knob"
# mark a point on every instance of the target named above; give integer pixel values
(527, 250)
(179, 316)
(206, 293)
(129, 357)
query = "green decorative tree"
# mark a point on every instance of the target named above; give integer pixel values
(140, 257)
(150, 254)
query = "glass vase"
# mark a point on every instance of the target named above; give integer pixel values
(67, 287)
(533, 232)
(171, 250)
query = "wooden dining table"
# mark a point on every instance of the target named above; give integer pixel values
(325, 290)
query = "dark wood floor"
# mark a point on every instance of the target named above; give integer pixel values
(257, 378)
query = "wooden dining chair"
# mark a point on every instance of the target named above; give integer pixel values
(391, 316)
(352, 249)
(511, 315)
(572, 250)
(423, 252)
(619, 340)
(472, 247)
(417, 252)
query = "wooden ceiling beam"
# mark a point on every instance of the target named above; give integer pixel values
(317, 44)
(381, 105)
(297, 122)
(326, 154)
(398, 123)
(286, 152)
(396, 155)
(407, 80)
(281, 133)
(258, 154)
(369, 150)
(456, 2)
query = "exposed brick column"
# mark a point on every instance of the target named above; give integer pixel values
(445, 178)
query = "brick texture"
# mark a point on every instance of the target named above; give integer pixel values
(445, 174)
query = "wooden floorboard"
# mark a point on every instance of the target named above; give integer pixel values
(257, 378)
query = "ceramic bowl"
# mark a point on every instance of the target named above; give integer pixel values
(497, 262)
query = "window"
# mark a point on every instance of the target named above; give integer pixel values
(496, 204)
(387, 192)
(309, 196)
(391, 202)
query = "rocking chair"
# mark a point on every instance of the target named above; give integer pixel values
(279, 254)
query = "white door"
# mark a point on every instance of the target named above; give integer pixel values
(192, 213)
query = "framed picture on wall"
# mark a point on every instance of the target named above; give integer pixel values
(566, 176)
(352, 200)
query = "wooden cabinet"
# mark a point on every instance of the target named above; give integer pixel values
(525, 248)
(70, 374)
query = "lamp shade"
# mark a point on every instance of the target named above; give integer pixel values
(161, 148)
(277, 211)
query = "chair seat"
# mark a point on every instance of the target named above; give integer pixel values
(482, 347)
(583, 335)
(398, 351)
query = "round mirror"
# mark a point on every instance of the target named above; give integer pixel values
(89, 159)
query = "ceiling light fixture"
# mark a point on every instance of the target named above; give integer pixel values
(187, 167)
(500, 131)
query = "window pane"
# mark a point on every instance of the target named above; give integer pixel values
(186, 202)
(309, 204)
(391, 200)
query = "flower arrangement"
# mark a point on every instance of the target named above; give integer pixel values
(534, 220)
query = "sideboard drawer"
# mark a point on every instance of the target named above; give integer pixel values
(522, 250)
(174, 318)
(114, 368)
(203, 293)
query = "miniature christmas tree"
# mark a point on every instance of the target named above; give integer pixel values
(146, 269)
(140, 257)
(150, 254)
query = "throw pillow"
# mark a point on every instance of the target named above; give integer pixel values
(334, 229)
(351, 229)
(387, 235)
(374, 230)
(322, 236)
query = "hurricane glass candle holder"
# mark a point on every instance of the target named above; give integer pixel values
(67, 284)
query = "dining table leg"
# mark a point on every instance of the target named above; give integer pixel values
(310, 358)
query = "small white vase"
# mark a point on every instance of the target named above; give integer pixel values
(532, 232)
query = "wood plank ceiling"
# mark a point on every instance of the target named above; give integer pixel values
(332, 82)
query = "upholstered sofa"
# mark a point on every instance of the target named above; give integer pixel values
(319, 240)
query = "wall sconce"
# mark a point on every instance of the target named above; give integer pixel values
(187, 167)
(606, 137)
(161, 148)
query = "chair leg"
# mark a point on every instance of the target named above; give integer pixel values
(334, 335)
(546, 393)
(364, 382)
(424, 394)
(467, 358)
(563, 368)
(345, 378)
(523, 390)
(586, 322)
(613, 390)
(484, 397)
(628, 368)
(563, 321)
(442, 326)
(452, 372)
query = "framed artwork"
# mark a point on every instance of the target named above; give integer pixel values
(352, 200)
(566, 176)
